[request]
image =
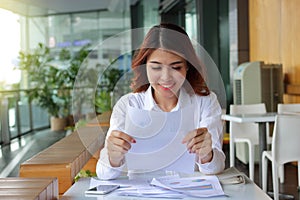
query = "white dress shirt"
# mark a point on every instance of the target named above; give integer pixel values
(207, 114)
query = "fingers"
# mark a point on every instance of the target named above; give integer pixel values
(201, 147)
(119, 141)
(198, 141)
(118, 144)
(122, 135)
(195, 133)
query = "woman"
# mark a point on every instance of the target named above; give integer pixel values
(167, 77)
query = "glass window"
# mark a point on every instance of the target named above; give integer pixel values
(59, 28)
(191, 20)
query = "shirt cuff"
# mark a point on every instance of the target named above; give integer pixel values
(216, 165)
(105, 170)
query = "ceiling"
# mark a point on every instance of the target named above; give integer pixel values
(33, 8)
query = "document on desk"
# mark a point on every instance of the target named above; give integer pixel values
(159, 140)
(200, 186)
(137, 188)
(173, 186)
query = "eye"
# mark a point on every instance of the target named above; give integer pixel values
(155, 67)
(177, 68)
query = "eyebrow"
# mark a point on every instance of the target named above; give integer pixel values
(173, 63)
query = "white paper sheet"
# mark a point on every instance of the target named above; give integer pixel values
(137, 188)
(159, 140)
(201, 186)
(174, 186)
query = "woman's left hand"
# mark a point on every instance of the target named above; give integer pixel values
(199, 142)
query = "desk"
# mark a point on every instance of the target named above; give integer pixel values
(248, 191)
(261, 119)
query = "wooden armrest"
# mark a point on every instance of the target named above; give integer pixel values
(67, 157)
(29, 188)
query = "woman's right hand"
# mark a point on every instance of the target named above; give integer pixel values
(118, 144)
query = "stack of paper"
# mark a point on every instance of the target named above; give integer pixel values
(138, 188)
(173, 186)
(150, 192)
(201, 186)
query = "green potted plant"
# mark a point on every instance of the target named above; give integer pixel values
(51, 80)
(44, 83)
(103, 101)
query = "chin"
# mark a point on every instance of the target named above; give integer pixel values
(169, 93)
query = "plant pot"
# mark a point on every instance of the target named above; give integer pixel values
(70, 120)
(58, 124)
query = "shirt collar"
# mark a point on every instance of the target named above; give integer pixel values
(183, 100)
(149, 102)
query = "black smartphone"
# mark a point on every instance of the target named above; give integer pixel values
(102, 189)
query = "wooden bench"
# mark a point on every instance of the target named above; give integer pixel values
(29, 188)
(67, 157)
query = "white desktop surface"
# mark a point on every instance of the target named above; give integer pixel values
(247, 191)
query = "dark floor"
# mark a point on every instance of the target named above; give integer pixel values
(22, 149)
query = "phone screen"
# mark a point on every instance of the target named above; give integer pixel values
(102, 189)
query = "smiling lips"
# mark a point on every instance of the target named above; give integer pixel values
(166, 87)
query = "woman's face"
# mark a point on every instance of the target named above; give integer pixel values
(166, 73)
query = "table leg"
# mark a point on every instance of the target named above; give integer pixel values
(262, 147)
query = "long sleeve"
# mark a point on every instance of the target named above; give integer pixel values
(210, 117)
(103, 169)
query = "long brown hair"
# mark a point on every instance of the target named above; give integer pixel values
(172, 38)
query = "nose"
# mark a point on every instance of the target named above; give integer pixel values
(166, 74)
